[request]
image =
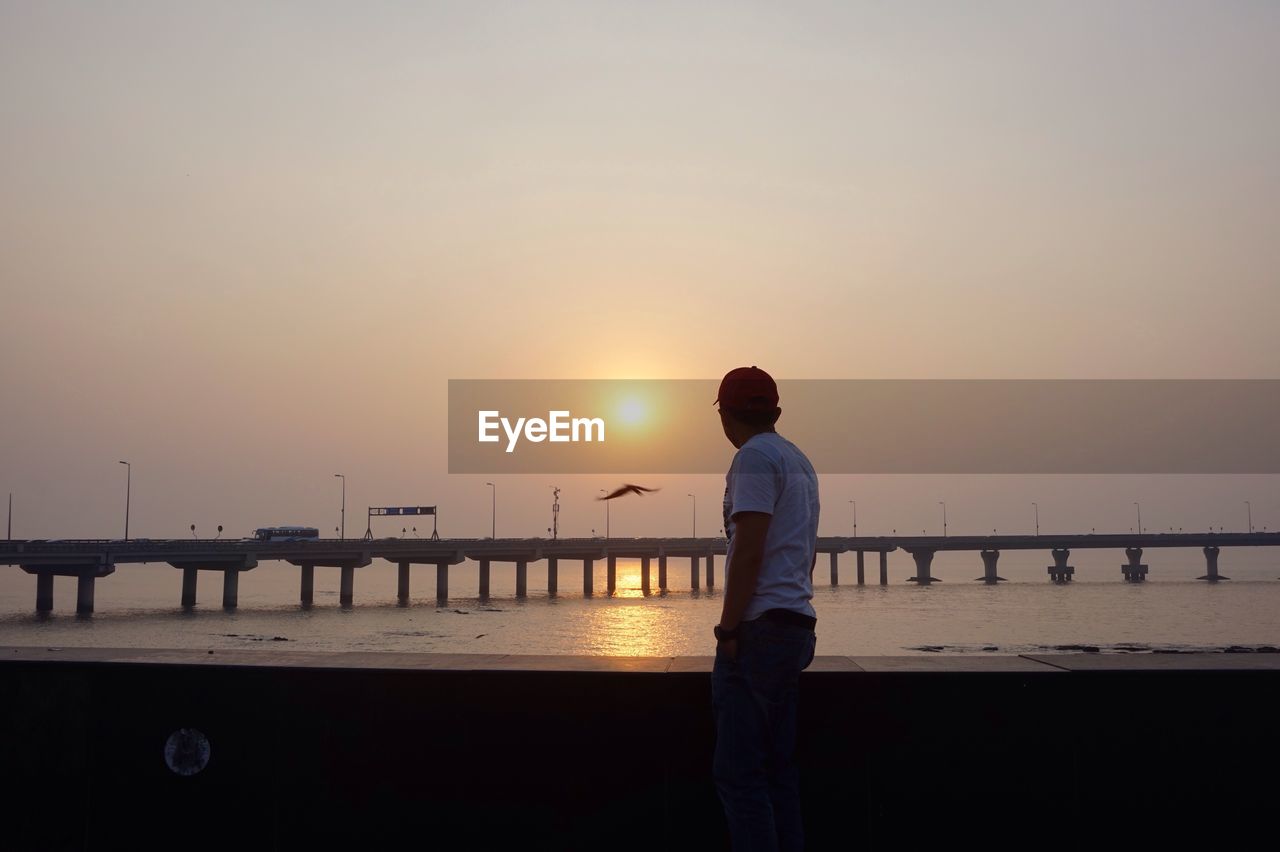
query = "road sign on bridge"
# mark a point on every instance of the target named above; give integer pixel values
(401, 511)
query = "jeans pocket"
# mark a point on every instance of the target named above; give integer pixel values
(771, 659)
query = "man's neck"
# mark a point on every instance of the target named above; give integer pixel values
(748, 436)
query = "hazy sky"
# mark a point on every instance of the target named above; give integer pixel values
(244, 245)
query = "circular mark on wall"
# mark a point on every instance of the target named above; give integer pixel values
(186, 752)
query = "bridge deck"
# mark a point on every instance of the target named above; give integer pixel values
(537, 549)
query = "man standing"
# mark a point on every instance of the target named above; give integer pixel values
(765, 637)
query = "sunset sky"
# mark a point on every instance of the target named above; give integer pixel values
(244, 246)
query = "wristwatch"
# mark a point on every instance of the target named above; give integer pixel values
(723, 635)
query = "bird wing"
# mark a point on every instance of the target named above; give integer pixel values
(628, 488)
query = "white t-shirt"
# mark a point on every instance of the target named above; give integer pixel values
(769, 474)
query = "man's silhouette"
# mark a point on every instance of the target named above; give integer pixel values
(765, 637)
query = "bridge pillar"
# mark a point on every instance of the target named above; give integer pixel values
(553, 580)
(84, 594)
(924, 559)
(612, 580)
(1135, 571)
(711, 571)
(308, 585)
(189, 575)
(1060, 571)
(835, 569)
(346, 585)
(989, 559)
(230, 587)
(662, 573)
(884, 567)
(44, 591)
(694, 582)
(522, 579)
(588, 577)
(862, 578)
(484, 578)
(402, 584)
(644, 574)
(442, 582)
(1211, 565)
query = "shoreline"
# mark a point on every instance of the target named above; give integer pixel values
(685, 664)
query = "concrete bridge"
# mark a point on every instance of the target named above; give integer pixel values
(89, 560)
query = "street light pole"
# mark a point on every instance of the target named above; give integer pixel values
(128, 489)
(943, 504)
(493, 516)
(606, 514)
(555, 512)
(343, 533)
(1139, 506)
(8, 535)
(855, 517)
(1248, 506)
(1036, 506)
(695, 516)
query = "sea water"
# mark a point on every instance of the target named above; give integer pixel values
(138, 606)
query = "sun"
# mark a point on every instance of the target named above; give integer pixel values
(632, 411)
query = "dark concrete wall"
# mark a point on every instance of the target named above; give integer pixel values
(312, 757)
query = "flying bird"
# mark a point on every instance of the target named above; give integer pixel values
(628, 489)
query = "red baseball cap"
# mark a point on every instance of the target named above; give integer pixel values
(747, 389)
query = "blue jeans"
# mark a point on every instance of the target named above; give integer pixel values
(754, 698)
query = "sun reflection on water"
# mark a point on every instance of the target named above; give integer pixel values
(632, 624)
(630, 578)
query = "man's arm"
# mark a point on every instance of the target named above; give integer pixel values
(749, 531)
